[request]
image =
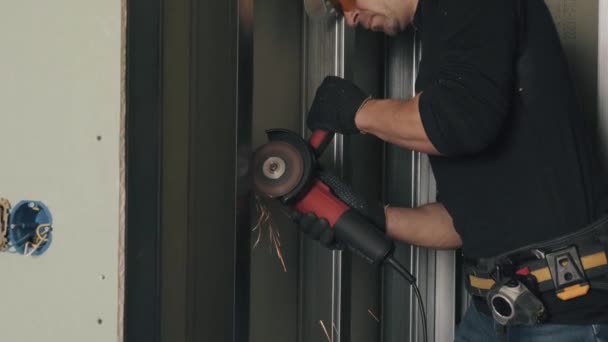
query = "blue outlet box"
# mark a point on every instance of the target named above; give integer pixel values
(30, 229)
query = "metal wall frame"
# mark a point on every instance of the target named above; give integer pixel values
(188, 189)
(334, 287)
(143, 163)
(277, 97)
(321, 270)
(401, 62)
(363, 170)
(177, 79)
(409, 182)
(220, 187)
(603, 80)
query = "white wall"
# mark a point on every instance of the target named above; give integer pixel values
(60, 89)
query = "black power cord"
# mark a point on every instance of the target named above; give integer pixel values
(412, 280)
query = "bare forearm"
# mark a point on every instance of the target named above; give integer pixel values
(395, 121)
(428, 226)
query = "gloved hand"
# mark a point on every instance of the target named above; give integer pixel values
(335, 105)
(318, 228)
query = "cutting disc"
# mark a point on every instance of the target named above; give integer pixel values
(278, 168)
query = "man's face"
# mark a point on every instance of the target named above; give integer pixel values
(388, 16)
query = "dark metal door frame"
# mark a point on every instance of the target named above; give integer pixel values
(214, 220)
(143, 153)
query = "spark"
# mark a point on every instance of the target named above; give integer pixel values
(263, 218)
(274, 236)
(277, 246)
(373, 315)
(325, 331)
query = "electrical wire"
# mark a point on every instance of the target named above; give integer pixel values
(412, 280)
(39, 240)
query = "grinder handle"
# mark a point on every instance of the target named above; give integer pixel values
(362, 238)
(356, 232)
(319, 140)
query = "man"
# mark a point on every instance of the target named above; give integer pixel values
(496, 112)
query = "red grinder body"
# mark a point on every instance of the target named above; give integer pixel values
(310, 194)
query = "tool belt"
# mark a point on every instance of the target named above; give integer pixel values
(569, 265)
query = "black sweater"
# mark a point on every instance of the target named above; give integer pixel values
(499, 104)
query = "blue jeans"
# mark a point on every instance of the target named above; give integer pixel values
(477, 327)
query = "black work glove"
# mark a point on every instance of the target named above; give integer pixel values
(335, 104)
(318, 228)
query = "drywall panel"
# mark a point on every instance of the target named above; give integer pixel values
(60, 110)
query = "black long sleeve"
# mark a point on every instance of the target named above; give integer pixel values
(517, 164)
(467, 99)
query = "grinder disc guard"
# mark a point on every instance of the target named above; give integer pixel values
(278, 168)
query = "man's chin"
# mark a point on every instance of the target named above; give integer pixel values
(390, 31)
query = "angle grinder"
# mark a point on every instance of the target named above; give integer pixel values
(286, 169)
